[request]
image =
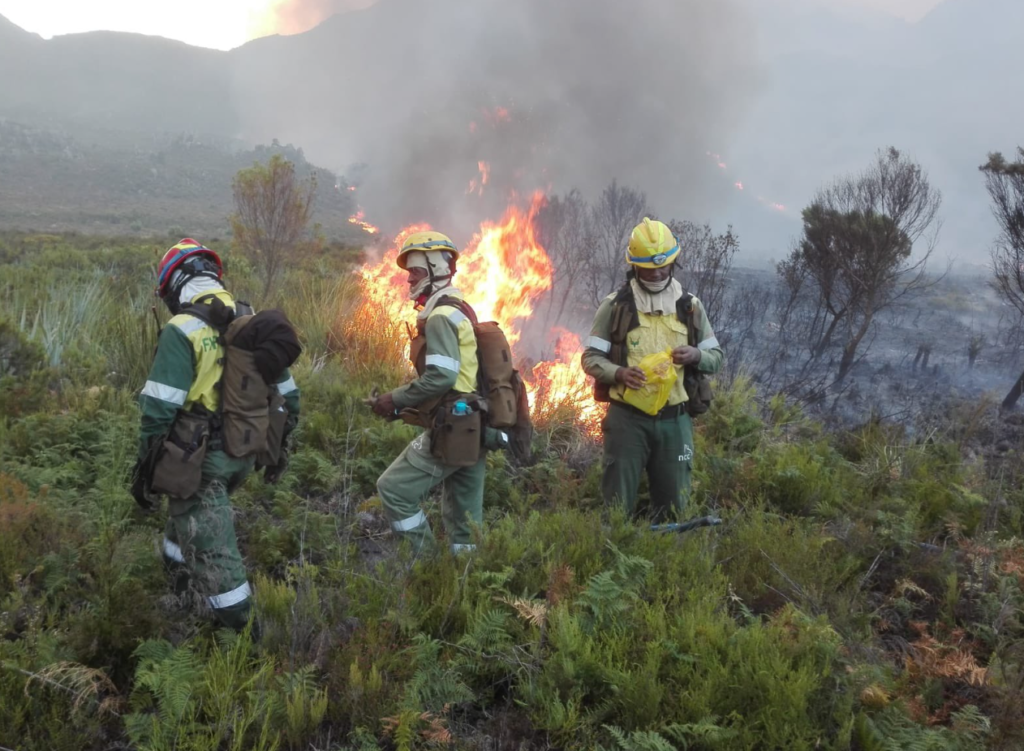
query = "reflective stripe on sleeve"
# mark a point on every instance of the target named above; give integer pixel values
(411, 523)
(235, 596)
(164, 393)
(602, 345)
(708, 343)
(443, 362)
(172, 551)
(456, 316)
(462, 548)
(287, 387)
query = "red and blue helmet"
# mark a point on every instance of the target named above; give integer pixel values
(176, 256)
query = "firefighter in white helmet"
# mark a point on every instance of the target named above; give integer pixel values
(442, 399)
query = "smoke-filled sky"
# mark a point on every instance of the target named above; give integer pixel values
(549, 95)
(224, 24)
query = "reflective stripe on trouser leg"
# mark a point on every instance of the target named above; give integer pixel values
(405, 525)
(402, 489)
(204, 529)
(232, 597)
(174, 561)
(462, 504)
(172, 552)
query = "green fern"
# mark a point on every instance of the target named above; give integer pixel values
(891, 730)
(433, 685)
(488, 633)
(703, 734)
(639, 740)
(612, 592)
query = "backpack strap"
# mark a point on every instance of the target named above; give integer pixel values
(462, 306)
(466, 310)
(685, 314)
(219, 316)
(625, 318)
(216, 313)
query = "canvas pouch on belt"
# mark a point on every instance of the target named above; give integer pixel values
(456, 439)
(178, 471)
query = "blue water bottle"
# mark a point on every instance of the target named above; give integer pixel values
(460, 409)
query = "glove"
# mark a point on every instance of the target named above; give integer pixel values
(272, 474)
(138, 488)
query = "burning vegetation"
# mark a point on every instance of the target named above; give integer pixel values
(505, 273)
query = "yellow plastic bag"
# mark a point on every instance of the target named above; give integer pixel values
(661, 377)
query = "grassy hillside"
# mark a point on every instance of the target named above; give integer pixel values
(110, 182)
(864, 592)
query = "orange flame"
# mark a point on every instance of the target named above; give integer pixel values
(559, 385)
(497, 115)
(477, 186)
(358, 218)
(503, 271)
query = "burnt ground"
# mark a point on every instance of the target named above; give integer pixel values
(945, 357)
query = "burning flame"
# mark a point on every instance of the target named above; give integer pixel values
(503, 272)
(477, 186)
(358, 218)
(557, 385)
(497, 115)
(775, 206)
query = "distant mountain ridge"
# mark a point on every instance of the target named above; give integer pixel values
(832, 89)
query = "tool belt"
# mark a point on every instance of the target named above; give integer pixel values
(670, 412)
(178, 469)
(456, 435)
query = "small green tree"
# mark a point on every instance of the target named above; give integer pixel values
(855, 257)
(273, 211)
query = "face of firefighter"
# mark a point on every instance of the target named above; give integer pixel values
(655, 280)
(416, 280)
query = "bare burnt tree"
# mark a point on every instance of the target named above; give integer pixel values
(612, 219)
(740, 324)
(855, 258)
(1005, 183)
(564, 231)
(705, 263)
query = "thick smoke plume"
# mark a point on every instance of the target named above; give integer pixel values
(551, 94)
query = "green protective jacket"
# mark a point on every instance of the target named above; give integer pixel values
(451, 359)
(658, 332)
(186, 371)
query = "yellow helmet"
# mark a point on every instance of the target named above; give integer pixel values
(652, 245)
(427, 242)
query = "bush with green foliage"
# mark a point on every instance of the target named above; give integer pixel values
(864, 591)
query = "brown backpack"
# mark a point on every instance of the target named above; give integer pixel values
(498, 381)
(252, 412)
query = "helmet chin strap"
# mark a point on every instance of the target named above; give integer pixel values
(431, 284)
(664, 285)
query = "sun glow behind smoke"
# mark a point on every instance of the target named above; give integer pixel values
(222, 25)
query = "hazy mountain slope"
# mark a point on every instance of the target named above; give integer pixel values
(790, 94)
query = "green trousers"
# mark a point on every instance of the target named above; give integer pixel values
(634, 442)
(200, 548)
(405, 485)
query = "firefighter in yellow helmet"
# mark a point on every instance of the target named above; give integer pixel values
(442, 399)
(650, 313)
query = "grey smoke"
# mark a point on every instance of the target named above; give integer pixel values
(637, 91)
